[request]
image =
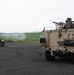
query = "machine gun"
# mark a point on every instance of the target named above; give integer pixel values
(69, 24)
(59, 25)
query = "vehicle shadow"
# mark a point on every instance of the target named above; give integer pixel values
(64, 60)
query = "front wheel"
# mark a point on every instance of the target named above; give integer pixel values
(2, 44)
(48, 56)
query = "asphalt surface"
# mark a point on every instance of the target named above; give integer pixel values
(18, 58)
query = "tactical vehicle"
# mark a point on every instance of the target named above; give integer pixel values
(2, 43)
(58, 42)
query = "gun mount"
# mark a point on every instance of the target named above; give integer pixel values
(67, 25)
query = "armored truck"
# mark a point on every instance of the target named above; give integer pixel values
(58, 42)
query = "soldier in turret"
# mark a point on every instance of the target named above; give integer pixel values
(69, 23)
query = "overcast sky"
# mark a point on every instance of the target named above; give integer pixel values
(33, 15)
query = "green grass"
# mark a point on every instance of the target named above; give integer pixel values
(30, 37)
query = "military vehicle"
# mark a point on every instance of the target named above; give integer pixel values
(2, 43)
(58, 42)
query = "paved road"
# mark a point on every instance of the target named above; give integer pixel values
(28, 59)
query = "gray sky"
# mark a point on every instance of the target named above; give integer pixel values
(33, 15)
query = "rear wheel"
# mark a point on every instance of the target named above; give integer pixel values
(48, 56)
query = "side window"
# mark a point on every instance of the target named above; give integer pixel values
(68, 36)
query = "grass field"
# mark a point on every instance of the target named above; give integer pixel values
(32, 37)
(20, 37)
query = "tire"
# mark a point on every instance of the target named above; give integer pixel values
(2, 44)
(48, 56)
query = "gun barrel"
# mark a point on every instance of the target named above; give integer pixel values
(58, 23)
(55, 22)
